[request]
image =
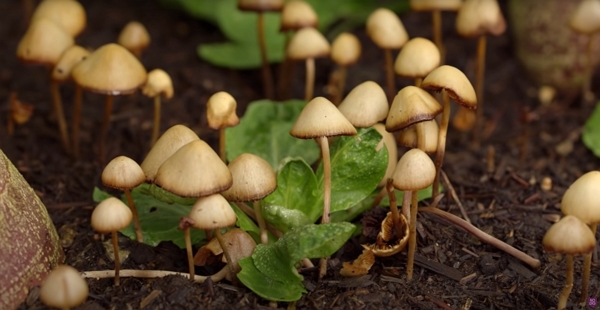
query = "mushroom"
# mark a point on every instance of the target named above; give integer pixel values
(586, 20)
(109, 216)
(64, 288)
(308, 44)
(436, 7)
(417, 59)
(345, 51)
(68, 14)
(453, 84)
(365, 105)
(111, 70)
(408, 137)
(383, 247)
(134, 37)
(253, 180)
(569, 236)
(158, 83)
(221, 114)
(125, 174)
(387, 32)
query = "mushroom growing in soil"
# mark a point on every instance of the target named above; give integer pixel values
(417, 59)
(586, 20)
(110, 216)
(134, 37)
(436, 7)
(308, 44)
(158, 84)
(68, 14)
(345, 51)
(221, 114)
(365, 105)
(64, 288)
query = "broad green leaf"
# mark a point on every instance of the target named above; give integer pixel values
(239, 26)
(273, 261)
(265, 131)
(246, 223)
(266, 287)
(168, 197)
(202, 9)
(351, 213)
(238, 55)
(316, 241)
(283, 218)
(422, 194)
(591, 132)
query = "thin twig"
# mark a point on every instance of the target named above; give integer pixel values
(150, 274)
(455, 197)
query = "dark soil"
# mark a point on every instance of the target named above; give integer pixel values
(505, 201)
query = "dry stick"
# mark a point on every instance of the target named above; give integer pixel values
(266, 71)
(324, 144)
(564, 294)
(60, 114)
(412, 236)
(534, 263)
(441, 147)
(341, 85)
(389, 70)
(105, 122)
(310, 79)
(76, 119)
(188, 249)
(587, 268)
(394, 208)
(156, 128)
(225, 251)
(264, 238)
(455, 197)
(151, 274)
(136, 220)
(115, 243)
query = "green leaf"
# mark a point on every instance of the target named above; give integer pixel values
(246, 223)
(422, 194)
(168, 197)
(237, 55)
(283, 218)
(591, 132)
(264, 131)
(266, 287)
(202, 9)
(316, 241)
(273, 261)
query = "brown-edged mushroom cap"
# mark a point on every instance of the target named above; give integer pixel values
(68, 14)
(260, 5)
(408, 136)
(111, 215)
(221, 111)
(64, 288)
(410, 106)
(417, 58)
(111, 69)
(432, 5)
(212, 212)
(386, 30)
(480, 17)
(581, 198)
(321, 118)
(414, 171)
(43, 43)
(569, 236)
(308, 43)
(586, 17)
(345, 49)
(123, 173)
(253, 178)
(134, 37)
(170, 141)
(387, 140)
(158, 83)
(69, 58)
(298, 14)
(365, 105)
(454, 82)
(195, 170)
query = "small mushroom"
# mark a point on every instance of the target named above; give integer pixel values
(308, 44)
(64, 288)
(417, 59)
(345, 51)
(436, 7)
(586, 20)
(158, 84)
(365, 105)
(134, 37)
(408, 137)
(297, 14)
(68, 14)
(221, 114)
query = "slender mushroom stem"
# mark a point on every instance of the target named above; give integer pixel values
(151, 274)
(389, 70)
(421, 137)
(418, 81)
(436, 20)
(564, 294)
(264, 238)
(394, 208)
(188, 248)
(324, 144)
(156, 128)
(76, 119)
(479, 82)
(105, 122)
(60, 114)
(222, 152)
(441, 147)
(266, 71)
(406, 204)
(587, 83)
(136, 220)
(310, 79)
(115, 243)
(412, 236)
(225, 251)
(341, 85)
(587, 268)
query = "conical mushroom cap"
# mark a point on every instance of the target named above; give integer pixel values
(111, 215)
(586, 18)
(111, 69)
(581, 198)
(253, 179)
(417, 58)
(170, 141)
(64, 288)
(308, 43)
(71, 57)
(414, 171)
(386, 30)
(134, 37)
(195, 170)
(345, 49)
(432, 5)
(387, 140)
(410, 106)
(260, 5)
(408, 136)
(43, 43)
(297, 14)
(221, 111)
(321, 118)
(123, 173)
(212, 212)
(569, 236)
(480, 17)
(454, 82)
(68, 14)
(158, 83)
(365, 105)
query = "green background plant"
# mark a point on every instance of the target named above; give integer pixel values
(591, 132)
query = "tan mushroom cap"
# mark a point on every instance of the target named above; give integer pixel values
(417, 58)
(432, 5)
(581, 198)
(43, 43)
(111, 69)
(260, 5)
(195, 170)
(454, 82)
(69, 58)
(345, 49)
(134, 36)
(383, 247)
(387, 140)
(365, 105)
(123, 173)
(408, 136)
(569, 236)
(321, 118)
(297, 14)
(64, 288)
(111, 215)
(414, 171)
(480, 17)
(308, 43)
(586, 18)
(253, 178)
(221, 111)
(68, 14)
(212, 212)
(158, 83)
(386, 30)
(170, 141)
(410, 106)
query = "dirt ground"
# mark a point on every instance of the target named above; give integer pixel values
(453, 268)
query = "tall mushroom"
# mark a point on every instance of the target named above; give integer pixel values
(417, 59)
(134, 37)
(158, 84)
(586, 20)
(436, 7)
(308, 44)
(221, 114)
(365, 105)
(345, 51)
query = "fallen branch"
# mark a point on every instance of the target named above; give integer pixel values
(150, 274)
